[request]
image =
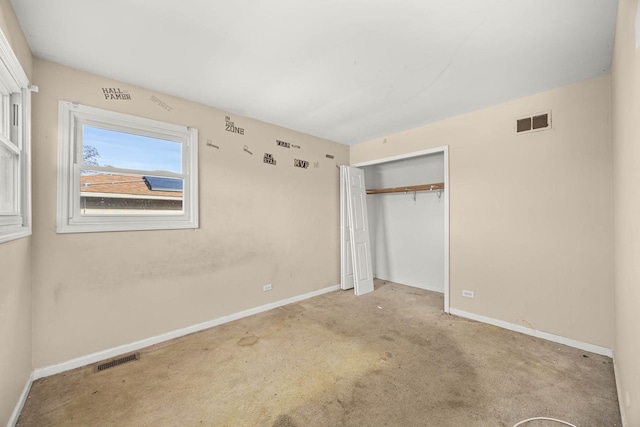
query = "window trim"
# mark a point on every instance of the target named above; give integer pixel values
(69, 220)
(14, 77)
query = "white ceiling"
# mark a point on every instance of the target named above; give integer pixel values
(345, 70)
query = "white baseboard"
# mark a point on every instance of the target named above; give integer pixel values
(127, 348)
(414, 284)
(603, 351)
(621, 399)
(21, 401)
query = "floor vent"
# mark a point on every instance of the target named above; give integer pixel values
(119, 361)
(537, 122)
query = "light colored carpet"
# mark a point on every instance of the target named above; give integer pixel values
(388, 358)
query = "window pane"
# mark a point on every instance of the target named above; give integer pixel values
(8, 165)
(5, 113)
(122, 150)
(114, 194)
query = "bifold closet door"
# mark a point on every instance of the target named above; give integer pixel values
(359, 243)
(346, 262)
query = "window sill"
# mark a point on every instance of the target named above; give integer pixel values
(123, 226)
(15, 234)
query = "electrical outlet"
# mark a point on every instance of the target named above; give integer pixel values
(266, 287)
(468, 294)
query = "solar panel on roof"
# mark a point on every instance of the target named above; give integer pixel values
(155, 183)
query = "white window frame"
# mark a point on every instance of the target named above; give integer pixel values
(72, 117)
(17, 119)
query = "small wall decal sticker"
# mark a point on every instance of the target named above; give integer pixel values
(211, 144)
(286, 144)
(231, 127)
(329, 156)
(268, 159)
(316, 165)
(115, 93)
(160, 103)
(300, 163)
(245, 148)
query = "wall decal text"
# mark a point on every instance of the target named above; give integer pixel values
(329, 156)
(300, 163)
(283, 144)
(115, 93)
(231, 127)
(160, 103)
(268, 159)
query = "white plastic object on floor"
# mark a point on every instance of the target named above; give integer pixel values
(545, 419)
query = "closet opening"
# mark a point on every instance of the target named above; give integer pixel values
(406, 216)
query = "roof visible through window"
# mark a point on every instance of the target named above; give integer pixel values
(155, 183)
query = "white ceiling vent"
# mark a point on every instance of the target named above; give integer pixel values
(541, 121)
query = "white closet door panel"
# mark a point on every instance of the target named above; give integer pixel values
(359, 231)
(346, 261)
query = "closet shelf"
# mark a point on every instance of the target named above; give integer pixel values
(438, 186)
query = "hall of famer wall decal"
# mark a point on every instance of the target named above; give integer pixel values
(115, 93)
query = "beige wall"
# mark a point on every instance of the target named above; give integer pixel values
(15, 323)
(530, 215)
(15, 265)
(626, 179)
(259, 224)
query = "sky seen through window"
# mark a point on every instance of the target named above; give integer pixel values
(129, 151)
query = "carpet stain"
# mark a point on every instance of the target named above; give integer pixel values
(455, 404)
(247, 341)
(295, 308)
(418, 340)
(386, 356)
(284, 421)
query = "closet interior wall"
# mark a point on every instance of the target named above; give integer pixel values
(407, 229)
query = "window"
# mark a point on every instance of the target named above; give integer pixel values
(15, 123)
(120, 172)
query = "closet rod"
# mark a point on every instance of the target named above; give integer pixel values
(438, 186)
